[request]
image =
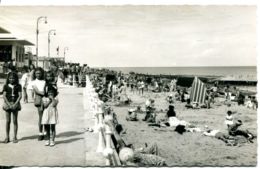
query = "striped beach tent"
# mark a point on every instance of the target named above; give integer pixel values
(198, 91)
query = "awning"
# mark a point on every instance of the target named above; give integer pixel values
(2, 30)
(20, 41)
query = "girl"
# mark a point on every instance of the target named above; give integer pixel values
(50, 115)
(12, 94)
(50, 80)
(38, 86)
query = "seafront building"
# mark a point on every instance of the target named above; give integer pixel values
(13, 50)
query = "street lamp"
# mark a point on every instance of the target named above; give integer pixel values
(49, 40)
(66, 48)
(37, 33)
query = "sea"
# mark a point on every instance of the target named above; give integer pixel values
(197, 71)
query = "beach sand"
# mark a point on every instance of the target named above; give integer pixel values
(191, 149)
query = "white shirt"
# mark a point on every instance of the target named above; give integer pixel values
(39, 84)
(24, 79)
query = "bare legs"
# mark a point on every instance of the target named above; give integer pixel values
(40, 113)
(7, 125)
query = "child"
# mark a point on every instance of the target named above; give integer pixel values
(38, 86)
(229, 119)
(50, 80)
(50, 115)
(12, 94)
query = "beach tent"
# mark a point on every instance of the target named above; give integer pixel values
(198, 91)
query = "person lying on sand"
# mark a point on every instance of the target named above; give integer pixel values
(229, 140)
(193, 105)
(142, 157)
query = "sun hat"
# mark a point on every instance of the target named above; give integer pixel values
(131, 110)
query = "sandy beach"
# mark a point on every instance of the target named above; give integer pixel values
(180, 150)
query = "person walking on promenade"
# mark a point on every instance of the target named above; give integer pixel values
(12, 94)
(50, 114)
(30, 79)
(38, 86)
(24, 83)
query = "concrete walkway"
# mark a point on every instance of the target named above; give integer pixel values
(74, 146)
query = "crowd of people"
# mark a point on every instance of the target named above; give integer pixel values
(44, 91)
(41, 87)
(111, 86)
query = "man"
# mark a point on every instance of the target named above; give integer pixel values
(234, 131)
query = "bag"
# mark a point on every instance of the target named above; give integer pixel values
(37, 100)
(7, 108)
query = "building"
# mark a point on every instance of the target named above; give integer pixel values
(12, 49)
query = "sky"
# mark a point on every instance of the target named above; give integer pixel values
(141, 35)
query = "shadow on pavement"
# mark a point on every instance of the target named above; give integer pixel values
(69, 134)
(29, 138)
(64, 134)
(68, 141)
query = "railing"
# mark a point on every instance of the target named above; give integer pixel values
(93, 105)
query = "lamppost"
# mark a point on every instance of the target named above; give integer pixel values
(49, 40)
(66, 48)
(37, 33)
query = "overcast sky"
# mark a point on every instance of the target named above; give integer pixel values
(141, 35)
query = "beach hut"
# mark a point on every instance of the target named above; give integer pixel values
(198, 91)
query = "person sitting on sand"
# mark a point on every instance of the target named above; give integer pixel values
(150, 115)
(131, 116)
(182, 96)
(138, 110)
(170, 99)
(240, 98)
(251, 103)
(254, 102)
(171, 112)
(227, 93)
(229, 119)
(234, 131)
(188, 105)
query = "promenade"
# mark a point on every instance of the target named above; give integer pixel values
(74, 146)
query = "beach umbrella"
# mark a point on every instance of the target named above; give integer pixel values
(198, 91)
